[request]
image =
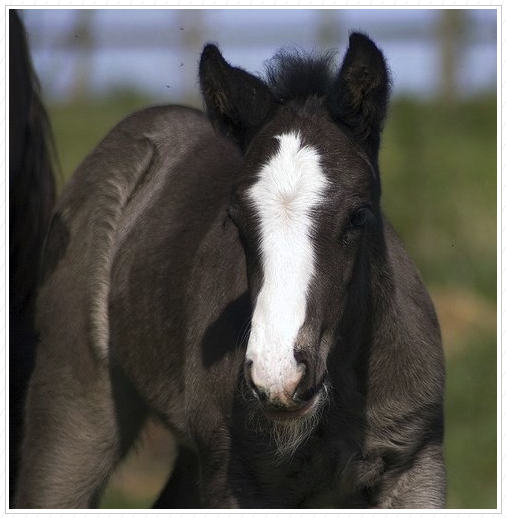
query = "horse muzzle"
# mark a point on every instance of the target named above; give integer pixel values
(293, 400)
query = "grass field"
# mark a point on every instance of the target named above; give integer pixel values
(439, 183)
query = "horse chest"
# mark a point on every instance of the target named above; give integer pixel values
(319, 475)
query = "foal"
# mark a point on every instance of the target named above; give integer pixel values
(243, 286)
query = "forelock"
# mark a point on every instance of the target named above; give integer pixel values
(296, 75)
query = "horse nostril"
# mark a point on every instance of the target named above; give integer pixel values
(300, 357)
(303, 364)
(304, 394)
(257, 393)
(305, 389)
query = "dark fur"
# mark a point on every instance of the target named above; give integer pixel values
(31, 199)
(182, 245)
(295, 75)
(360, 95)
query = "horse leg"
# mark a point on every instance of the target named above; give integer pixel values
(78, 426)
(422, 486)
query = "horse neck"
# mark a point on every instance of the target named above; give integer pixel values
(370, 305)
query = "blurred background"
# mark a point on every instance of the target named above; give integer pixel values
(438, 162)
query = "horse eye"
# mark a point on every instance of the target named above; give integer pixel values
(360, 217)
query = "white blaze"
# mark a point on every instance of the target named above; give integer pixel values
(288, 188)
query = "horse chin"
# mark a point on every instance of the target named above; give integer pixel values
(288, 429)
(288, 415)
(291, 429)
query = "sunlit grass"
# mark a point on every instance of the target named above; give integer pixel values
(471, 424)
(439, 172)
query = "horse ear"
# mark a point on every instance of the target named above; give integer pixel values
(360, 95)
(237, 102)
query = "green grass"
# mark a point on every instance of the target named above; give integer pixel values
(119, 500)
(78, 127)
(439, 167)
(471, 425)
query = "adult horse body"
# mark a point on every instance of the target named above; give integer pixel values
(245, 288)
(31, 199)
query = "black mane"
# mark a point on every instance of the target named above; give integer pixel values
(295, 75)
